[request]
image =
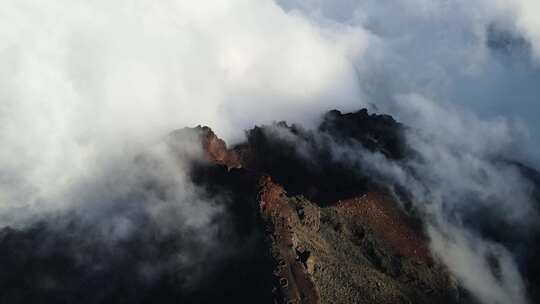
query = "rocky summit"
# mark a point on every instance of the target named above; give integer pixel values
(299, 225)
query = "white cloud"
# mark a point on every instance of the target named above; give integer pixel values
(86, 82)
(467, 257)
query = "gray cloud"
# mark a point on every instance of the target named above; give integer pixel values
(446, 52)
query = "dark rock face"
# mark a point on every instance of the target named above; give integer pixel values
(375, 132)
(298, 226)
(319, 177)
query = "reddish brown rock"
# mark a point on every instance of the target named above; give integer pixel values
(293, 283)
(216, 149)
(379, 212)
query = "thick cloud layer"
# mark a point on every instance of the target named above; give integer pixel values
(85, 84)
(88, 86)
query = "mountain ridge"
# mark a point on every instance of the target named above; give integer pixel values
(299, 225)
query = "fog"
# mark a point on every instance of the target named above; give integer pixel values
(85, 84)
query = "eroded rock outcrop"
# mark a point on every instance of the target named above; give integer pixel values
(334, 236)
(358, 251)
(292, 282)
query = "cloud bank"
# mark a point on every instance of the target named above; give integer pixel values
(85, 84)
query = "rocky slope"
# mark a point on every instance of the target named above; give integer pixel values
(334, 235)
(305, 227)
